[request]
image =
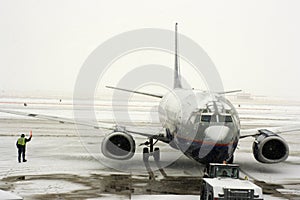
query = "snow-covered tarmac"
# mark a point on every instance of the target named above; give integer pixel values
(62, 165)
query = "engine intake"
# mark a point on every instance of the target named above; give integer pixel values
(269, 147)
(118, 145)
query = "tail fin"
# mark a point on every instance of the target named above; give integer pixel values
(177, 76)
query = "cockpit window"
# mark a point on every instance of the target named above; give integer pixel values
(195, 118)
(215, 118)
(209, 118)
(228, 119)
(225, 118)
(205, 118)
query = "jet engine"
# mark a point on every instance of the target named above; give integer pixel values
(269, 147)
(118, 145)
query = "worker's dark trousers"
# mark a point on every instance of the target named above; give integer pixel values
(21, 150)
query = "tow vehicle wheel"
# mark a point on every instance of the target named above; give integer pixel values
(202, 193)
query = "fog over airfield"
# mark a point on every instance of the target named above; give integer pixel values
(254, 44)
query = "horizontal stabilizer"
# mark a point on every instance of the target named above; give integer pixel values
(136, 92)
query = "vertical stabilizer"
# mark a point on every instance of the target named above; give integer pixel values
(177, 77)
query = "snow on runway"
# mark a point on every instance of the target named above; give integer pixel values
(62, 165)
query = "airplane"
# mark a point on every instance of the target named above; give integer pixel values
(203, 125)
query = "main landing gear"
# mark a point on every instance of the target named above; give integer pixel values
(155, 152)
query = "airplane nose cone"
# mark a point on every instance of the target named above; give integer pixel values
(218, 134)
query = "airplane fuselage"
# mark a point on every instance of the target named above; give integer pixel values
(204, 126)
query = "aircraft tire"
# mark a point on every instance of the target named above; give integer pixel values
(156, 154)
(146, 154)
(210, 196)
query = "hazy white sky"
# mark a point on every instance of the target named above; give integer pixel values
(254, 43)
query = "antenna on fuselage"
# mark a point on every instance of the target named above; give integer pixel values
(177, 77)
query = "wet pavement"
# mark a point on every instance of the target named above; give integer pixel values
(63, 166)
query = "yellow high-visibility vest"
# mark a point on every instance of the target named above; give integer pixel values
(21, 141)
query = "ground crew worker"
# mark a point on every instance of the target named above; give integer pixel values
(21, 145)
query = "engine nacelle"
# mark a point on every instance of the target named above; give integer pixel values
(269, 147)
(118, 145)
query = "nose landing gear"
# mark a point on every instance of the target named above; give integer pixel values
(149, 151)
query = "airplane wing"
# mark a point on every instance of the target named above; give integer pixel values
(98, 125)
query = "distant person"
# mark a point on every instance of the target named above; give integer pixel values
(21, 145)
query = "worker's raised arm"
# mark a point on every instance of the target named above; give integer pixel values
(30, 136)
